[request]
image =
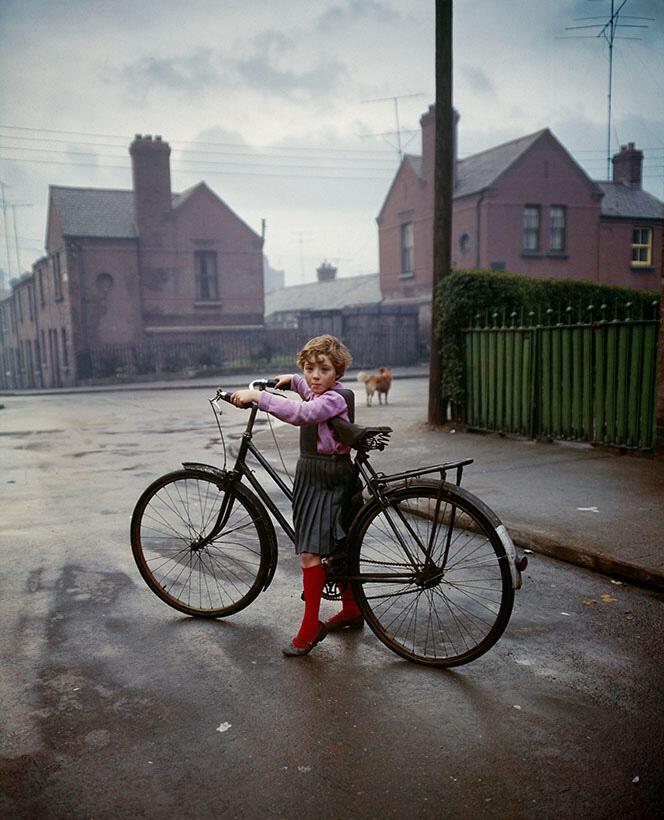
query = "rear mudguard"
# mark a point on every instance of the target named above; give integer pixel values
(516, 563)
(227, 479)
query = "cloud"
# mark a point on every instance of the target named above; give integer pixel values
(264, 69)
(476, 79)
(354, 10)
(190, 75)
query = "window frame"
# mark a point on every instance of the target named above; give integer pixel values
(202, 275)
(407, 249)
(529, 230)
(640, 246)
(561, 230)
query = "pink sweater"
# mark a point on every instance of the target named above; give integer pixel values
(313, 410)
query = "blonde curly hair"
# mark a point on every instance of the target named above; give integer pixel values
(326, 345)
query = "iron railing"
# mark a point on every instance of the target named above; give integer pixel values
(580, 374)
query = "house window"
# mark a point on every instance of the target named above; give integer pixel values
(464, 243)
(19, 301)
(206, 276)
(407, 249)
(557, 228)
(642, 247)
(531, 228)
(57, 277)
(43, 347)
(31, 297)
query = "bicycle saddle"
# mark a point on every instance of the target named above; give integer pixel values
(360, 438)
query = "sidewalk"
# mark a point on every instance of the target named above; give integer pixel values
(584, 505)
(588, 506)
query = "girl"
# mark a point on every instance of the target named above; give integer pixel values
(324, 477)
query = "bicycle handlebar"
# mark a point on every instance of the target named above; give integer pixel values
(256, 384)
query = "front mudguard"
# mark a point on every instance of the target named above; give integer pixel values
(227, 478)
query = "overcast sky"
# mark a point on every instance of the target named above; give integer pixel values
(271, 102)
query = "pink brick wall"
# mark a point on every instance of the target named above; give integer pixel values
(543, 176)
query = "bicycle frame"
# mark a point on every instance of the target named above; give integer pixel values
(375, 483)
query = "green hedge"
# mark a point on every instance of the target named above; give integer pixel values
(464, 294)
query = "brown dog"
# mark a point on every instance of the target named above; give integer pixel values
(380, 384)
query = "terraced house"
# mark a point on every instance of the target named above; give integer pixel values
(123, 267)
(526, 207)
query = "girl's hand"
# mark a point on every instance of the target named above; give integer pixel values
(284, 381)
(244, 398)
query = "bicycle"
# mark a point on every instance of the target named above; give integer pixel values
(432, 568)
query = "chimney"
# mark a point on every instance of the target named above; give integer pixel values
(428, 124)
(326, 272)
(152, 184)
(627, 165)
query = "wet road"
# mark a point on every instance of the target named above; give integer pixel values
(114, 705)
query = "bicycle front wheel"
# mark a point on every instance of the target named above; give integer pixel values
(201, 547)
(431, 575)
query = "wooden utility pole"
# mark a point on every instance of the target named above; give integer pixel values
(443, 186)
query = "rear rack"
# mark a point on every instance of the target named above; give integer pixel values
(443, 469)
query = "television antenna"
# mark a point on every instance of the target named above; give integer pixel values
(5, 205)
(608, 30)
(399, 130)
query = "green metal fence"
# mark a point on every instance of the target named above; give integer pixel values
(584, 375)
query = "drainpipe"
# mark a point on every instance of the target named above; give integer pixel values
(77, 252)
(479, 212)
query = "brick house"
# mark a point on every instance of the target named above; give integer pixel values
(526, 207)
(126, 266)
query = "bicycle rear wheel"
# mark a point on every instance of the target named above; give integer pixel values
(201, 547)
(444, 612)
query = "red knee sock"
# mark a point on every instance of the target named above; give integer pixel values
(313, 580)
(349, 608)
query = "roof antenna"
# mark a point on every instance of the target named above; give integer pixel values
(608, 30)
(399, 130)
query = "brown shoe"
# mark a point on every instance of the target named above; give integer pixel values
(336, 624)
(295, 651)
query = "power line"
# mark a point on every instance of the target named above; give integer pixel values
(253, 161)
(305, 175)
(244, 146)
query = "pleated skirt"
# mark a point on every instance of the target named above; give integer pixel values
(321, 490)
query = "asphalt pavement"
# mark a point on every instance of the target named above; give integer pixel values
(597, 507)
(113, 705)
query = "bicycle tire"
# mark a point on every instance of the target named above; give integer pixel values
(435, 615)
(203, 576)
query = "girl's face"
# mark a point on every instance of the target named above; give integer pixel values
(320, 374)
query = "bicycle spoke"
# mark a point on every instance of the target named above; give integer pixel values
(446, 614)
(214, 577)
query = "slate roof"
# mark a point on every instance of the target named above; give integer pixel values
(621, 200)
(479, 171)
(334, 295)
(98, 211)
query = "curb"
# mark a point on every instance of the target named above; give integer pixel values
(588, 559)
(188, 385)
